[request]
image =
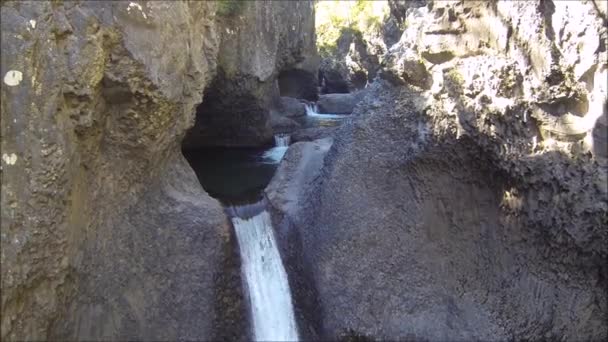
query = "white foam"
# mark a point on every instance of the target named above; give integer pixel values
(269, 294)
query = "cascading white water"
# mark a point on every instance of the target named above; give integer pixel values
(281, 140)
(269, 293)
(311, 109)
(275, 154)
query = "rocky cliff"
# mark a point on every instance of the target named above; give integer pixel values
(106, 232)
(467, 198)
(261, 42)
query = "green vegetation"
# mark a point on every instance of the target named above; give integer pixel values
(454, 81)
(230, 8)
(333, 17)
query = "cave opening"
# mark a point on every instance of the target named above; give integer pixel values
(241, 131)
(299, 84)
(231, 146)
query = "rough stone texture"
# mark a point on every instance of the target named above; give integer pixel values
(434, 238)
(338, 103)
(258, 42)
(106, 233)
(282, 124)
(298, 83)
(470, 203)
(333, 75)
(297, 171)
(355, 62)
(166, 276)
(291, 107)
(313, 133)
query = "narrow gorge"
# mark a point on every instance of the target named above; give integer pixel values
(304, 170)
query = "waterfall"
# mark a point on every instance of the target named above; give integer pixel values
(311, 109)
(275, 154)
(269, 294)
(282, 140)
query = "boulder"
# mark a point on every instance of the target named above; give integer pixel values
(106, 232)
(291, 107)
(312, 133)
(333, 75)
(431, 237)
(281, 124)
(338, 103)
(276, 56)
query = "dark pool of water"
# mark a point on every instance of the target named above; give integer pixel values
(240, 175)
(235, 175)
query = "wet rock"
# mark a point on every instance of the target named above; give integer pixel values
(288, 192)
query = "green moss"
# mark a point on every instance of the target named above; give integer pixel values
(454, 81)
(230, 8)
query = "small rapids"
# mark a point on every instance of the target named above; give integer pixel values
(275, 154)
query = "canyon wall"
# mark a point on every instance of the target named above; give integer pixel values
(106, 232)
(260, 39)
(467, 197)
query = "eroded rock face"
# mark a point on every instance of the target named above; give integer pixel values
(354, 64)
(437, 241)
(106, 232)
(465, 199)
(257, 43)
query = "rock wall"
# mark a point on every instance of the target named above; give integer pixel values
(467, 198)
(354, 64)
(259, 40)
(106, 232)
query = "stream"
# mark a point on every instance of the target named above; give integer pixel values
(237, 177)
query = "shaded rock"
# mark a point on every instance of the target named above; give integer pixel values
(442, 209)
(407, 69)
(470, 192)
(276, 56)
(106, 234)
(297, 83)
(333, 76)
(353, 65)
(110, 89)
(291, 107)
(137, 290)
(231, 115)
(338, 103)
(281, 124)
